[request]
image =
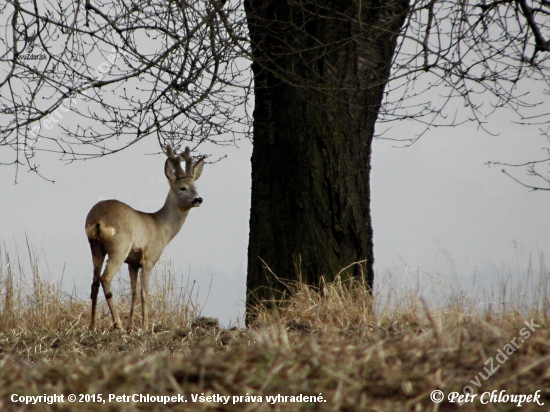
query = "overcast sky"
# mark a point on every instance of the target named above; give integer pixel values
(437, 211)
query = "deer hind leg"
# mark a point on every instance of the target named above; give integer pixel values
(98, 257)
(114, 262)
(133, 283)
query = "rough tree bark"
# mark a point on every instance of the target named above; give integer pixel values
(320, 68)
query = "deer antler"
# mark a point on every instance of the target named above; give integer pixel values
(176, 161)
(186, 155)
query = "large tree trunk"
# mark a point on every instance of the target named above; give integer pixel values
(320, 68)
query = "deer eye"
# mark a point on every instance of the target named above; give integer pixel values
(183, 189)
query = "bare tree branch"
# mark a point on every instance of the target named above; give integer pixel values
(85, 79)
(89, 79)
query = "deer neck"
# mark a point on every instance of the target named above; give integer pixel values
(170, 218)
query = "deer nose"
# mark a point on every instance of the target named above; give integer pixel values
(198, 200)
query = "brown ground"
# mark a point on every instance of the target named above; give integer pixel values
(328, 344)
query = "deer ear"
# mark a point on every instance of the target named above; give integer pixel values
(197, 168)
(170, 171)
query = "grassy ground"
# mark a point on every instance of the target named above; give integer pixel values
(338, 346)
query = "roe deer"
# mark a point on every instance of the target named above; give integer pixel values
(137, 238)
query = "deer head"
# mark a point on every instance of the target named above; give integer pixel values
(182, 183)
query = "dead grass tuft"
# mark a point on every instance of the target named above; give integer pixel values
(361, 352)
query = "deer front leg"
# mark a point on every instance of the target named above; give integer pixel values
(133, 283)
(145, 272)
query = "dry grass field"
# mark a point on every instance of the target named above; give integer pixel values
(330, 349)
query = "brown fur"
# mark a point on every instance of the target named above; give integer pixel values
(126, 235)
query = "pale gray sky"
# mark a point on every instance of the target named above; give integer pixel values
(436, 208)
